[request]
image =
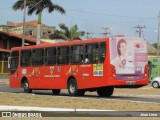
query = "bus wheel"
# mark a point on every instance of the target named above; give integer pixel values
(72, 87)
(56, 91)
(105, 91)
(26, 87)
(155, 84)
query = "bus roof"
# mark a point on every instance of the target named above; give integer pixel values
(74, 42)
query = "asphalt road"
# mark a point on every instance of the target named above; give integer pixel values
(5, 88)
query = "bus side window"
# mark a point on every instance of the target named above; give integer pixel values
(95, 50)
(102, 52)
(149, 69)
(91, 53)
(59, 57)
(50, 56)
(63, 55)
(26, 58)
(37, 57)
(87, 54)
(77, 54)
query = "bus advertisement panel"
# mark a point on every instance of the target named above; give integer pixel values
(129, 56)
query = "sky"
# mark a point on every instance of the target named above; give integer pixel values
(122, 16)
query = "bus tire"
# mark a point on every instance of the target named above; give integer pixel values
(73, 88)
(155, 84)
(56, 91)
(26, 87)
(105, 91)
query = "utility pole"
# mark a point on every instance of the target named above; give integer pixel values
(24, 20)
(158, 40)
(106, 31)
(88, 35)
(140, 29)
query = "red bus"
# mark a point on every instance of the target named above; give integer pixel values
(80, 66)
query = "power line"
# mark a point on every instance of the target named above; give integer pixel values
(98, 21)
(89, 12)
(36, 4)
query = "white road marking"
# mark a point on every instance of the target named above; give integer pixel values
(28, 108)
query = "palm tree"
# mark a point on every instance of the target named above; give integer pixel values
(37, 6)
(67, 34)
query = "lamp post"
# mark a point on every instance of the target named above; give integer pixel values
(24, 20)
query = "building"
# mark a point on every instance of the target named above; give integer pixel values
(7, 41)
(11, 36)
(31, 29)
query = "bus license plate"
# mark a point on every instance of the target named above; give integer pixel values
(130, 82)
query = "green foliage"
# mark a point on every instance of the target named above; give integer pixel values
(37, 6)
(155, 45)
(67, 34)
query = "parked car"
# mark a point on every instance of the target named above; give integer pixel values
(155, 82)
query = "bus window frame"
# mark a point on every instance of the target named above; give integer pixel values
(58, 51)
(12, 57)
(30, 57)
(42, 56)
(79, 54)
(102, 53)
(85, 53)
(45, 56)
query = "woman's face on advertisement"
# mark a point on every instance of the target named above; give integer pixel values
(123, 48)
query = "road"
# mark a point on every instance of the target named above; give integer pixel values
(4, 87)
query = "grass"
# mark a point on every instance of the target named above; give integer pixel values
(20, 99)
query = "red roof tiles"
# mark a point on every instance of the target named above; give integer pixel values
(30, 23)
(27, 38)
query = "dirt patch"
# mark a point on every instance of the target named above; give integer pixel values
(4, 81)
(21, 99)
(73, 102)
(140, 92)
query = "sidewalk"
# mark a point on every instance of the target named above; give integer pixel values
(26, 111)
(4, 76)
(4, 81)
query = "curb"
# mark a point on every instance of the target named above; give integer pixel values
(28, 108)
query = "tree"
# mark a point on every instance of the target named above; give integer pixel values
(155, 45)
(67, 34)
(37, 6)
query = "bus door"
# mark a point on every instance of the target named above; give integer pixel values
(91, 56)
(149, 69)
(14, 63)
(37, 67)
